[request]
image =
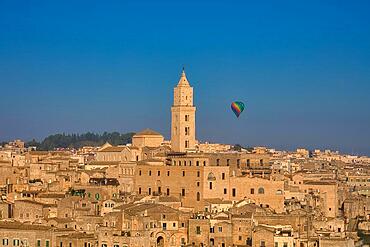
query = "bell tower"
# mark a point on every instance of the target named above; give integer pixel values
(183, 117)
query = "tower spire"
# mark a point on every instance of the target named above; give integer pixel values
(183, 80)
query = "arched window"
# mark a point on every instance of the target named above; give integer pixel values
(261, 190)
(211, 177)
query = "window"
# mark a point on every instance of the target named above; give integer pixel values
(168, 173)
(198, 196)
(38, 243)
(262, 243)
(210, 185)
(225, 191)
(139, 190)
(174, 224)
(186, 144)
(261, 162)
(261, 190)
(149, 191)
(198, 174)
(218, 162)
(220, 229)
(159, 173)
(187, 131)
(47, 243)
(204, 163)
(15, 242)
(252, 191)
(198, 230)
(164, 226)
(234, 192)
(61, 244)
(228, 162)
(249, 241)
(238, 163)
(240, 238)
(212, 230)
(186, 118)
(183, 173)
(276, 244)
(168, 191)
(198, 184)
(150, 173)
(248, 162)
(223, 176)
(197, 163)
(159, 190)
(115, 245)
(5, 241)
(285, 244)
(182, 192)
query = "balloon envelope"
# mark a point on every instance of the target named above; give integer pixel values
(237, 107)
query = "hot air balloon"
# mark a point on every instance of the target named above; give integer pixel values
(237, 107)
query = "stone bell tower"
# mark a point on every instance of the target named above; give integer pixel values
(183, 117)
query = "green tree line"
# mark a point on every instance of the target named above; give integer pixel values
(79, 140)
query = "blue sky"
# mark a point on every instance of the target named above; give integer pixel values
(301, 67)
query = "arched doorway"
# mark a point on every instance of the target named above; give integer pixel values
(160, 241)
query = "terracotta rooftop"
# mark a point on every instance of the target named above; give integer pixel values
(114, 149)
(103, 163)
(168, 199)
(147, 132)
(217, 201)
(20, 226)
